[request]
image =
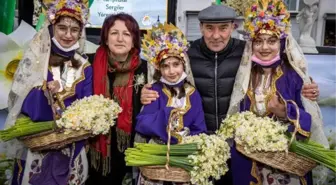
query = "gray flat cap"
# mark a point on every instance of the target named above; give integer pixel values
(217, 13)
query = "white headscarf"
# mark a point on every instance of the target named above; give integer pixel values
(32, 72)
(298, 62)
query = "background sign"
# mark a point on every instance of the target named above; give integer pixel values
(145, 12)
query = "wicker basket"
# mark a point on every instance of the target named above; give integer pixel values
(291, 162)
(51, 140)
(165, 173)
(161, 173)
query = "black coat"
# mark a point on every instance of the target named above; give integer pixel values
(214, 75)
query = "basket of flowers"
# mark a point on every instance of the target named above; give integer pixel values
(195, 160)
(266, 141)
(84, 118)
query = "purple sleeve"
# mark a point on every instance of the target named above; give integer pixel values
(36, 106)
(87, 84)
(295, 109)
(198, 126)
(153, 120)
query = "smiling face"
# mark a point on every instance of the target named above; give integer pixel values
(216, 35)
(266, 47)
(67, 31)
(119, 40)
(172, 69)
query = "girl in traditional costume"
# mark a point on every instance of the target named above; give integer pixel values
(118, 73)
(179, 103)
(269, 83)
(53, 69)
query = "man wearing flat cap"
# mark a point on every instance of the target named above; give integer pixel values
(214, 60)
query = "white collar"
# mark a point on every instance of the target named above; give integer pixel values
(74, 47)
(184, 76)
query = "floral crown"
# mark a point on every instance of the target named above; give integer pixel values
(77, 9)
(164, 41)
(267, 16)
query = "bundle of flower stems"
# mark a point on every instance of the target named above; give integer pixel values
(152, 154)
(315, 152)
(203, 156)
(24, 126)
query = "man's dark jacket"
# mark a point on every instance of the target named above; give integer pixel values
(214, 75)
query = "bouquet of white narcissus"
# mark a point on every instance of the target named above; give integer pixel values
(211, 160)
(263, 134)
(255, 133)
(94, 113)
(203, 156)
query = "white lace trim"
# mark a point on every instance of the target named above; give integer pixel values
(261, 93)
(67, 78)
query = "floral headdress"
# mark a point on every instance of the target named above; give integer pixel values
(267, 16)
(164, 41)
(77, 9)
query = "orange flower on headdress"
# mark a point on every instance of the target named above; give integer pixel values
(262, 14)
(283, 11)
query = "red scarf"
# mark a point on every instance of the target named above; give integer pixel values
(123, 94)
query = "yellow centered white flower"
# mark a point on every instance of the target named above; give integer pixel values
(211, 161)
(95, 114)
(255, 133)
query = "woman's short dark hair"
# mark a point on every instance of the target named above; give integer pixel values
(130, 23)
